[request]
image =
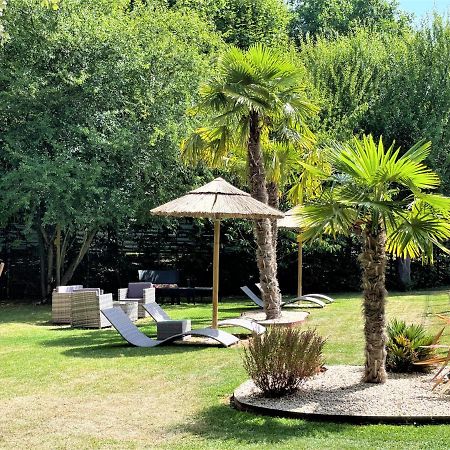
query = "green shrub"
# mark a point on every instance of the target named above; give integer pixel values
(280, 360)
(405, 347)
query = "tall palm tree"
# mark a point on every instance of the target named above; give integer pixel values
(256, 93)
(383, 198)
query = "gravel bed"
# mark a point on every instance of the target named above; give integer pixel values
(339, 392)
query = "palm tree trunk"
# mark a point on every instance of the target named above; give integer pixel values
(274, 202)
(373, 263)
(265, 250)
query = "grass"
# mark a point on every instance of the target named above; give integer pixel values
(68, 388)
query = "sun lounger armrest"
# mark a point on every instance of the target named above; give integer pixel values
(122, 294)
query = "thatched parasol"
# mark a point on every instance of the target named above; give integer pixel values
(217, 200)
(291, 221)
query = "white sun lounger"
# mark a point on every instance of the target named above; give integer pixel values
(255, 299)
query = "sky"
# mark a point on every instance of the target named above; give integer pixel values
(421, 7)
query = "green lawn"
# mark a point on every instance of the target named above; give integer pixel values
(65, 388)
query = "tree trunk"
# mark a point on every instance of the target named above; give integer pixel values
(265, 250)
(373, 263)
(66, 277)
(404, 272)
(58, 255)
(274, 202)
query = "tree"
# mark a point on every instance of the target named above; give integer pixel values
(383, 198)
(256, 93)
(92, 108)
(334, 17)
(244, 22)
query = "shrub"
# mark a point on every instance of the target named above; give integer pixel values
(280, 360)
(405, 347)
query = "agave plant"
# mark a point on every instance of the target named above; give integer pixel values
(407, 346)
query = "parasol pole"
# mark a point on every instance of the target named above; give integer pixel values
(215, 298)
(300, 266)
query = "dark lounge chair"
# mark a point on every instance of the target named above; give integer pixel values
(130, 332)
(255, 299)
(163, 319)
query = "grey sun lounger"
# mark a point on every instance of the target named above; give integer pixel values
(255, 299)
(130, 332)
(160, 316)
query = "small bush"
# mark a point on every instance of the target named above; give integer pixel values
(280, 360)
(405, 351)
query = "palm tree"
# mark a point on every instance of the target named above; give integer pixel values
(256, 93)
(383, 198)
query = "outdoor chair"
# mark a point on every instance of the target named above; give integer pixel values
(131, 333)
(164, 321)
(62, 303)
(86, 306)
(142, 292)
(255, 299)
(322, 297)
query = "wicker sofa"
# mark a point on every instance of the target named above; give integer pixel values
(142, 292)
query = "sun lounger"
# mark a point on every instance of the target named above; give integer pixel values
(322, 297)
(130, 332)
(325, 298)
(254, 298)
(162, 318)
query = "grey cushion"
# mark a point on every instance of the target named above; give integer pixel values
(136, 290)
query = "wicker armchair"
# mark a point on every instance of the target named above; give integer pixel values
(62, 303)
(140, 293)
(86, 306)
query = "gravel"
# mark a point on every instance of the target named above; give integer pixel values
(339, 392)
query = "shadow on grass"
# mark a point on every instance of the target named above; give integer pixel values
(108, 344)
(223, 423)
(24, 313)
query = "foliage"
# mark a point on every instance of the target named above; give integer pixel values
(406, 346)
(92, 103)
(392, 84)
(349, 75)
(371, 188)
(333, 17)
(244, 22)
(282, 358)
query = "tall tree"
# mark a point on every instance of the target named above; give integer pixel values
(384, 199)
(92, 108)
(334, 17)
(256, 93)
(244, 22)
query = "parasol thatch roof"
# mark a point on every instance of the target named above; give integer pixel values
(217, 199)
(290, 219)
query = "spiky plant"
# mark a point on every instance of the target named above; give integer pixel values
(408, 345)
